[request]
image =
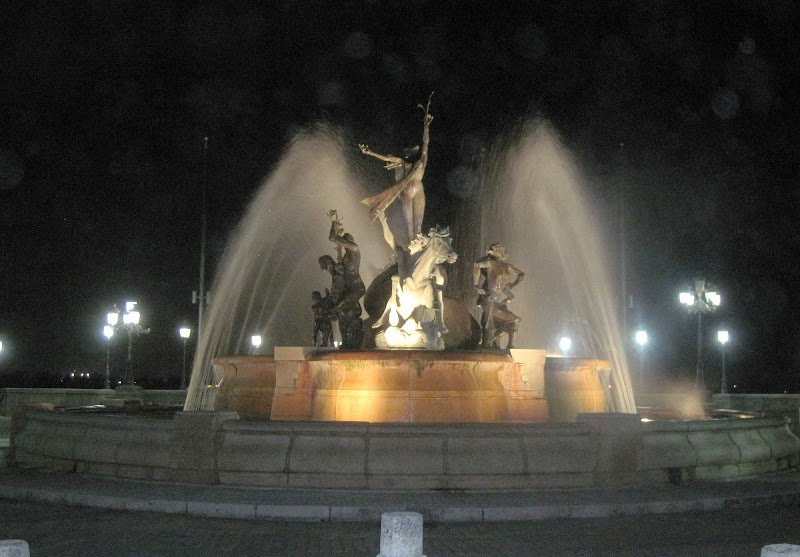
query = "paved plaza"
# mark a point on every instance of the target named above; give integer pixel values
(56, 530)
(734, 518)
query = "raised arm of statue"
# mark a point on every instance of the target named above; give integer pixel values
(426, 132)
(387, 232)
(341, 241)
(390, 160)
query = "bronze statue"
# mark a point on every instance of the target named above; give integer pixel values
(492, 279)
(409, 171)
(347, 288)
(321, 308)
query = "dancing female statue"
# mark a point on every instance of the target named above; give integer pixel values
(409, 171)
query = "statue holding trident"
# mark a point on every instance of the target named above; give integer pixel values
(347, 288)
(409, 171)
(492, 279)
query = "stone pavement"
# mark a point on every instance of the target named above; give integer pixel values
(68, 514)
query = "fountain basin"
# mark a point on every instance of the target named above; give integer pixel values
(219, 448)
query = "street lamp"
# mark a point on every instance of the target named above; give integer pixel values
(130, 322)
(700, 301)
(641, 339)
(255, 340)
(108, 332)
(723, 337)
(565, 343)
(185, 333)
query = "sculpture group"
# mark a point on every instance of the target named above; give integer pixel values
(413, 316)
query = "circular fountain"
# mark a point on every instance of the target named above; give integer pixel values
(427, 419)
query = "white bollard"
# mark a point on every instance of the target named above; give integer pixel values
(14, 548)
(401, 535)
(782, 549)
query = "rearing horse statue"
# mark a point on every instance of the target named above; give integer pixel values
(414, 312)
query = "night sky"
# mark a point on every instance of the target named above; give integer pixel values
(687, 108)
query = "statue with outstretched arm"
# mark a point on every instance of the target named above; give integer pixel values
(409, 187)
(347, 307)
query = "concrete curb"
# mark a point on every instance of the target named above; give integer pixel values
(221, 502)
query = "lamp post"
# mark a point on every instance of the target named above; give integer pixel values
(200, 296)
(185, 333)
(700, 301)
(723, 337)
(255, 340)
(130, 322)
(641, 339)
(565, 343)
(108, 332)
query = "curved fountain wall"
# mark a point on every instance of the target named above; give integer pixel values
(218, 448)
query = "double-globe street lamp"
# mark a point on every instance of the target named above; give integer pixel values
(130, 322)
(700, 301)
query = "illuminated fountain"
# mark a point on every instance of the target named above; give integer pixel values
(459, 418)
(270, 268)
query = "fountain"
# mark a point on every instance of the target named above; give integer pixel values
(300, 416)
(548, 230)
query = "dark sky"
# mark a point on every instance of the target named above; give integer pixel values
(104, 104)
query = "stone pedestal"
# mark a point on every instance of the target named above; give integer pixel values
(401, 535)
(416, 386)
(524, 386)
(573, 387)
(14, 548)
(194, 446)
(248, 385)
(293, 383)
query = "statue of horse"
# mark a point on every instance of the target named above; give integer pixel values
(414, 312)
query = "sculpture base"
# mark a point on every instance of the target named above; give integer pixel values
(411, 386)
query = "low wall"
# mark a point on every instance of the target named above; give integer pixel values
(772, 405)
(215, 447)
(13, 400)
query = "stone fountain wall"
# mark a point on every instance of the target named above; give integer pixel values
(219, 448)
